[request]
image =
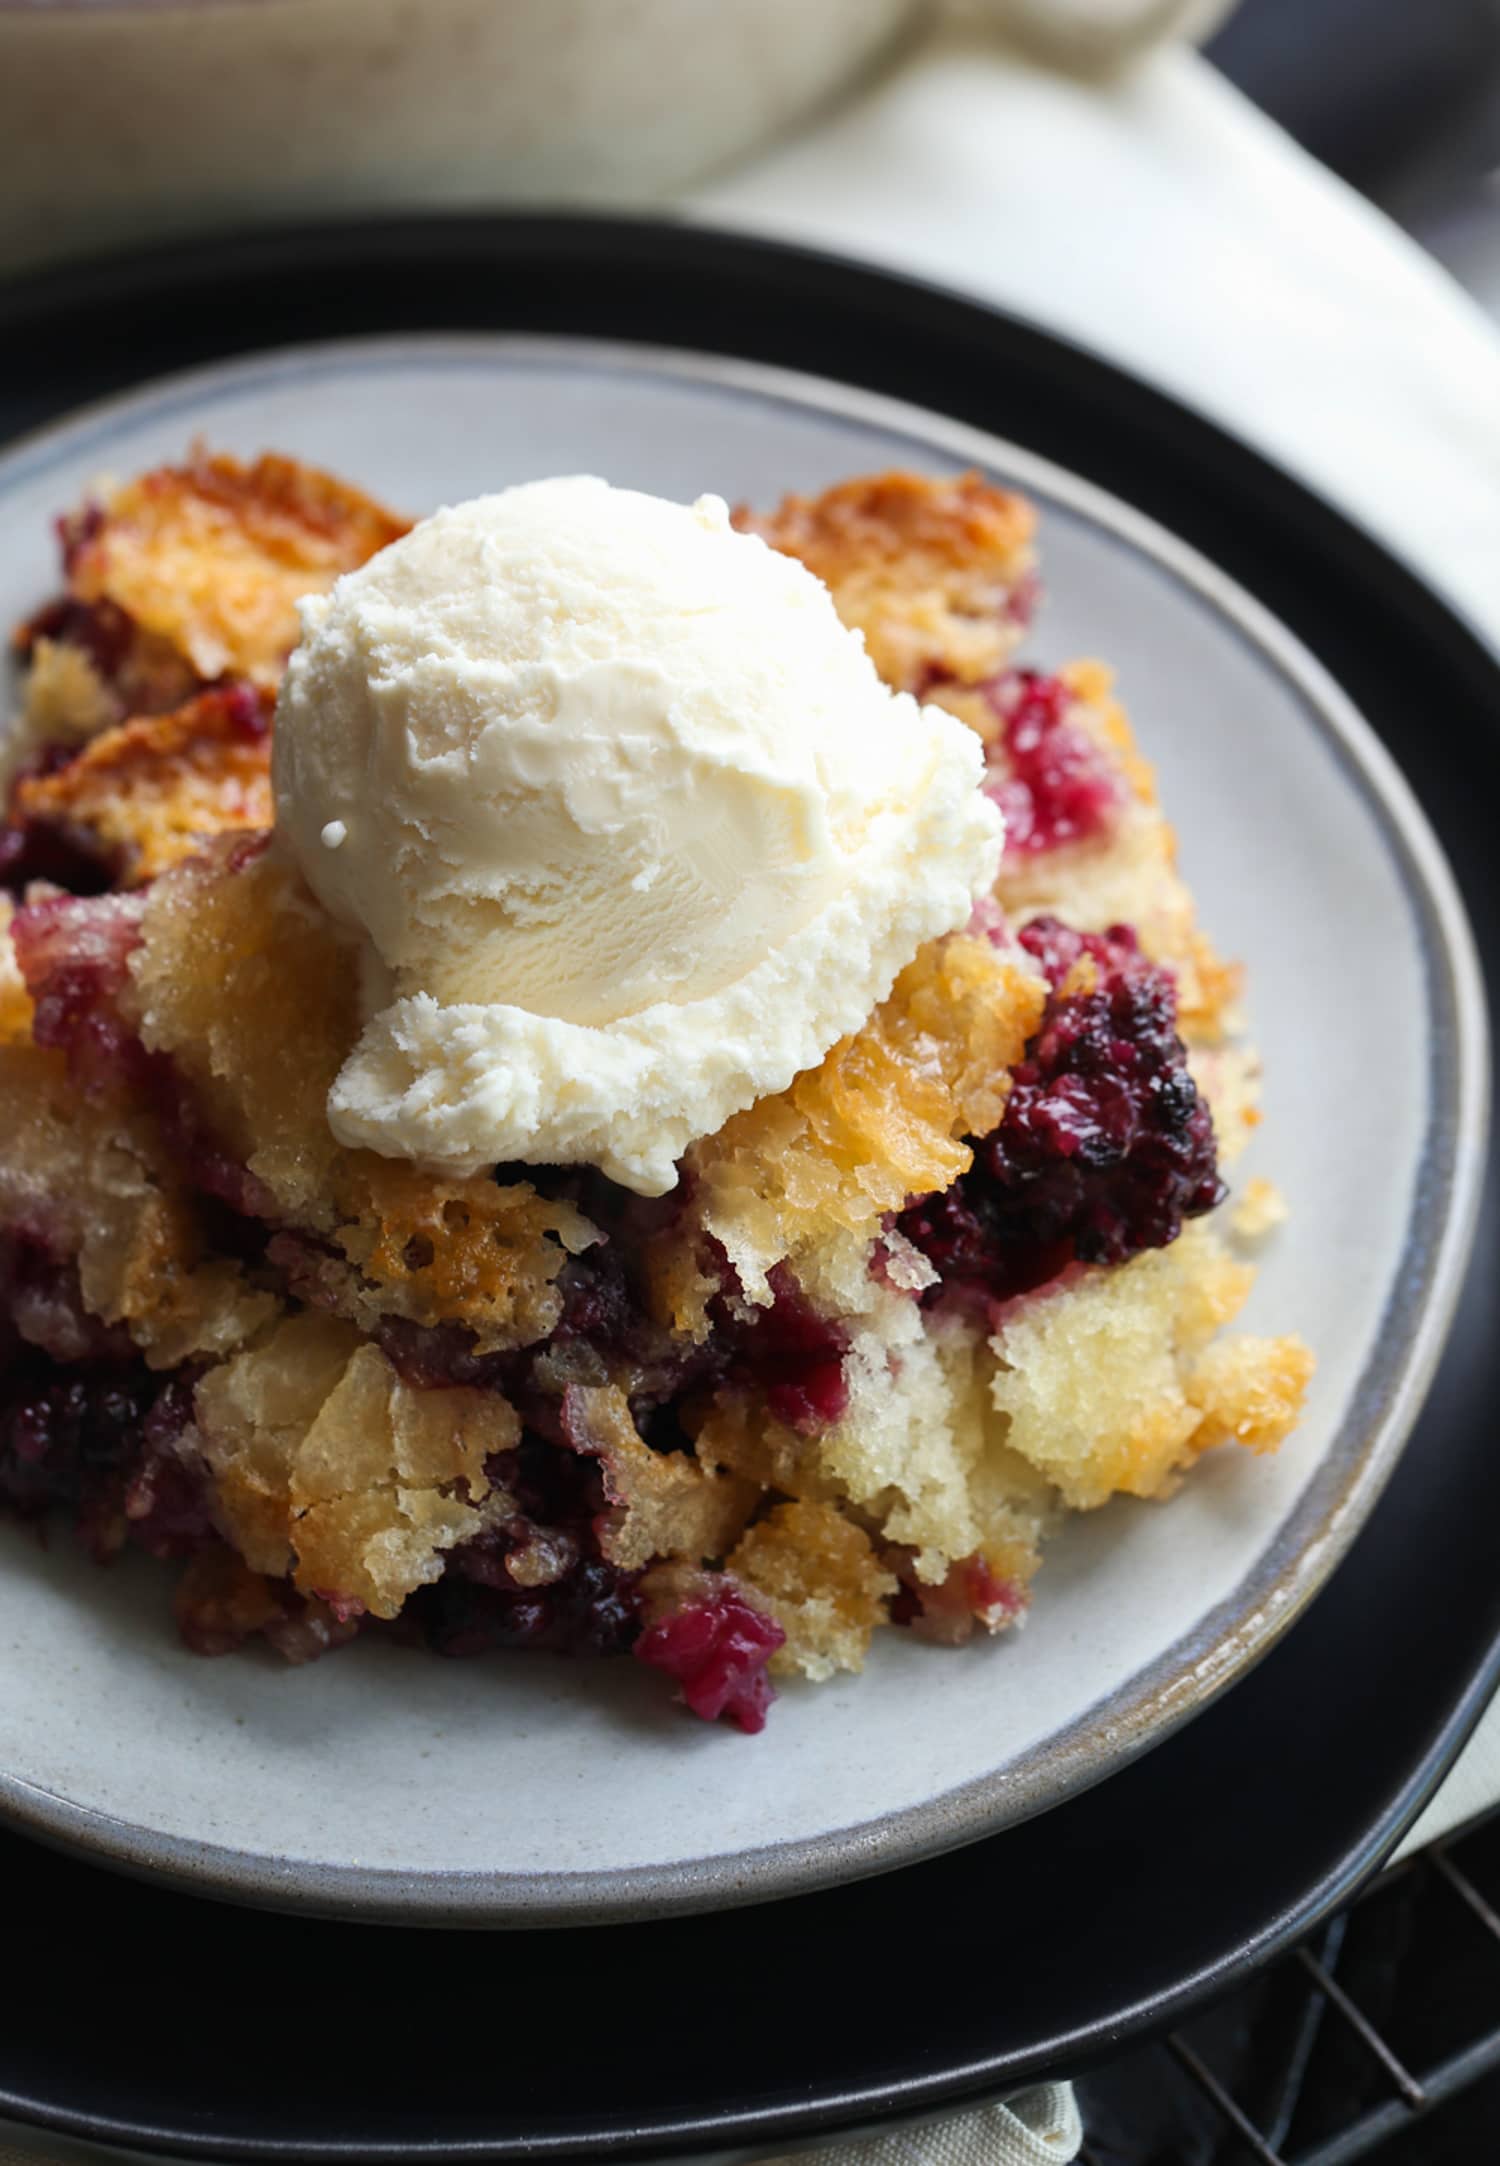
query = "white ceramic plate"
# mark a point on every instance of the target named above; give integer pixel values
(531, 1790)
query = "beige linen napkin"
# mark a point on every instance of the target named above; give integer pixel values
(1039, 2127)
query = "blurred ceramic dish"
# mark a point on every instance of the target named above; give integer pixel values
(1320, 871)
(141, 118)
(135, 117)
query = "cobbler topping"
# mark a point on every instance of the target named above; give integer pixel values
(42, 1303)
(142, 796)
(936, 573)
(1105, 1147)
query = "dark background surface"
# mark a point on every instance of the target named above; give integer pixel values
(1401, 98)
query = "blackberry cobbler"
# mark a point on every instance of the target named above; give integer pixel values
(876, 1333)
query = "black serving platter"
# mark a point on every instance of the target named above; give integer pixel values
(171, 2024)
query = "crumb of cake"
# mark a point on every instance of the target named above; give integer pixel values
(818, 1575)
(1145, 1326)
(737, 1432)
(920, 1456)
(937, 574)
(231, 950)
(927, 1455)
(213, 557)
(901, 1263)
(1259, 1210)
(1250, 1392)
(661, 1504)
(332, 1469)
(1092, 685)
(143, 795)
(1229, 1076)
(472, 1252)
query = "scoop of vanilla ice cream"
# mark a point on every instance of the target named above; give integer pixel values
(631, 827)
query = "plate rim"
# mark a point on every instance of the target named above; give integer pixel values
(1198, 1666)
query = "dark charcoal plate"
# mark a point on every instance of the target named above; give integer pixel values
(1032, 1951)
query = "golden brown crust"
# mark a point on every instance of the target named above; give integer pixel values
(925, 568)
(933, 571)
(213, 556)
(819, 1576)
(244, 981)
(662, 1504)
(148, 792)
(882, 1117)
(330, 1467)
(1250, 1392)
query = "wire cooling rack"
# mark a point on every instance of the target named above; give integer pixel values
(1378, 2038)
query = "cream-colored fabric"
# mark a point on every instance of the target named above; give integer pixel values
(1161, 220)
(1039, 2127)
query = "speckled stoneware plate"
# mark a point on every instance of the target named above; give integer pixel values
(536, 1791)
